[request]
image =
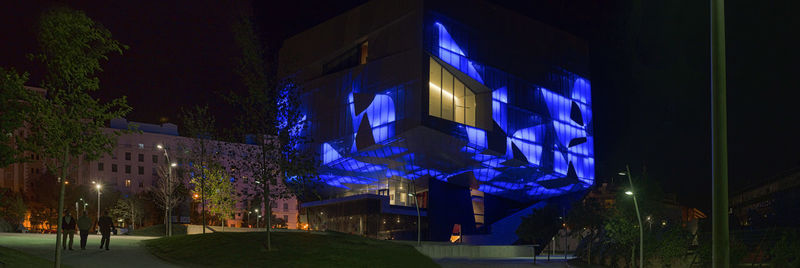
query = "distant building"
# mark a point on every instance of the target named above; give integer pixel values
(468, 110)
(769, 203)
(131, 168)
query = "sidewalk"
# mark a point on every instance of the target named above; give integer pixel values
(126, 251)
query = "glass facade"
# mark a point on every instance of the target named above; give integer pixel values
(495, 132)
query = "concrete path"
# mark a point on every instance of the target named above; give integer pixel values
(126, 251)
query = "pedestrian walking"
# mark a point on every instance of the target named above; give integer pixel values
(84, 223)
(106, 225)
(68, 229)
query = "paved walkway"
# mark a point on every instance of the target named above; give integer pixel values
(126, 251)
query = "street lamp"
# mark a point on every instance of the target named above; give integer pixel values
(638, 216)
(98, 186)
(168, 196)
(257, 218)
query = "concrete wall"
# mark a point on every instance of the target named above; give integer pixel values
(474, 252)
(198, 229)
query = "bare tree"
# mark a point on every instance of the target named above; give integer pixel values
(165, 193)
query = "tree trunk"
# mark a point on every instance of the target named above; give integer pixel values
(64, 165)
(269, 215)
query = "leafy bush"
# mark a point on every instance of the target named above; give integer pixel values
(786, 253)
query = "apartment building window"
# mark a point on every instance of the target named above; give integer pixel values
(141, 157)
(285, 207)
(113, 156)
(141, 146)
(141, 184)
(127, 156)
(141, 170)
(155, 173)
(128, 183)
(155, 159)
(99, 166)
(286, 219)
(127, 169)
(113, 167)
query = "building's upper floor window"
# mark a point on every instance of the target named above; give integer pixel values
(364, 53)
(449, 98)
(285, 207)
(141, 146)
(100, 166)
(113, 167)
(141, 170)
(348, 59)
(127, 169)
(155, 159)
(141, 157)
(127, 155)
(128, 183)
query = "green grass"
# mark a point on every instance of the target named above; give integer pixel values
(15, 258)
(289, 249)
(158, 230)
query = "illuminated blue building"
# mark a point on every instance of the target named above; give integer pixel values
(478, 112)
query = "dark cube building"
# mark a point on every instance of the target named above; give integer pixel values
(475, 111)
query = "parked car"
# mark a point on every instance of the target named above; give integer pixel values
(118, 230)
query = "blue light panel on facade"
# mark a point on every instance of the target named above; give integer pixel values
(329, 154)
(476, 136)
(451, 53)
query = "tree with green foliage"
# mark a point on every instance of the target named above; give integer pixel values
(786, 252)
(198, 125)
(69, 123)
(129, 208)
(541, 226)
(622, 231)
(270, 115)
(220, 191)
(12, 207)
(12, 111)
(585, 219)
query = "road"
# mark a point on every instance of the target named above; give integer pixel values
(126, 251)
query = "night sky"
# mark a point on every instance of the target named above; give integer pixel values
(649, 72)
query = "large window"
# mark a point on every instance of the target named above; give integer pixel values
(449, 98)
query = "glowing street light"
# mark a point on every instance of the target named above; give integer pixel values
(98, 186)
(638, 216)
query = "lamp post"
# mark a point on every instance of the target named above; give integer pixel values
(97, 187)
(257, 218)
(638, 217)
(168, 194)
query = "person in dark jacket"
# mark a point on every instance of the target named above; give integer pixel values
(68, 229)
(106, 225)
(84, 223)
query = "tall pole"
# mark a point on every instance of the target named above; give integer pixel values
(97, 187)
(719, 140)
(638, 217)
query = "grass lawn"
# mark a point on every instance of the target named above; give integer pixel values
(289, 249)
(15, 258)
(158, 230)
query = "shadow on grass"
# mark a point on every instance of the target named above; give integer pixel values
(289, 249)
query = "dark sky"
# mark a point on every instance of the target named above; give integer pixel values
(649, 72)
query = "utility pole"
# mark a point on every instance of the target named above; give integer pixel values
(719, 140)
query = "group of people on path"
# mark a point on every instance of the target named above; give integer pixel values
(83, 224)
